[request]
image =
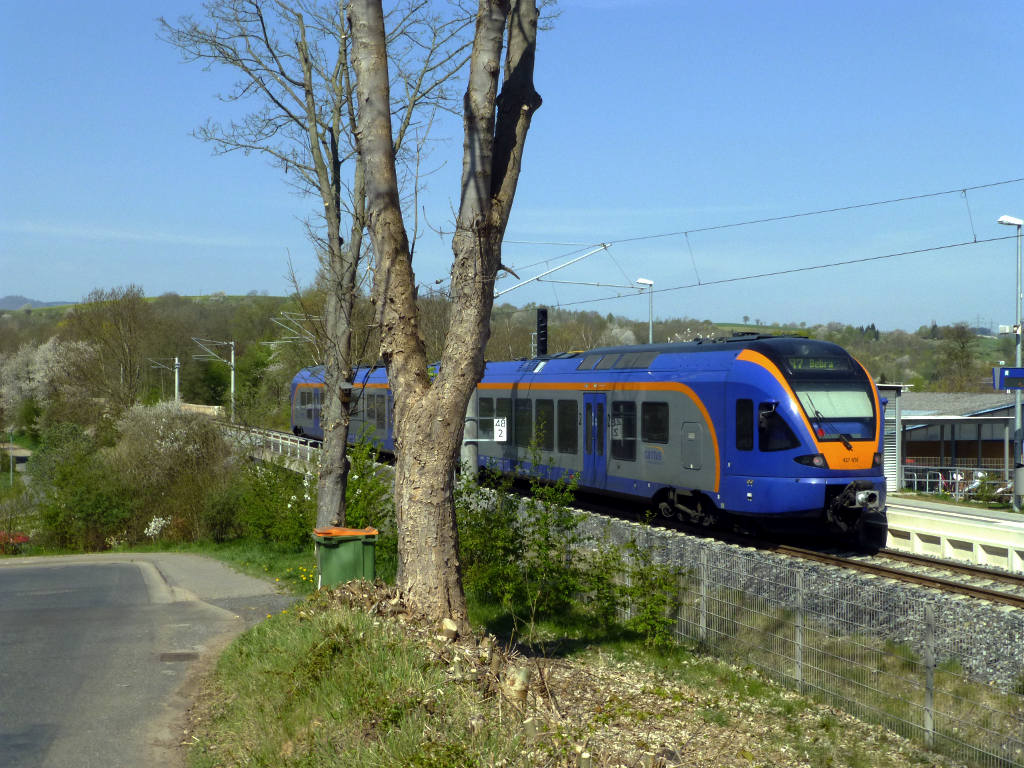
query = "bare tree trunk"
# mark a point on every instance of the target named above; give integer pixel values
(335, 411)
(339, 368)
(430, 414)
(293, 59)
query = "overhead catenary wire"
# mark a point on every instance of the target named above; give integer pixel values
(776, 273)
(839, 209)
(751, 222)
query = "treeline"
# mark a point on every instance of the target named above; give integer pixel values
(951, 358)
(87, 363)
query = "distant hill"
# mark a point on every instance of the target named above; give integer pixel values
(17, 302)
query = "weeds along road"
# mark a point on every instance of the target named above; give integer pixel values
(99, 654)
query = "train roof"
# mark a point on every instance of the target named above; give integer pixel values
(713, 353)
(645, 356)
(781, 344)
(313, 375)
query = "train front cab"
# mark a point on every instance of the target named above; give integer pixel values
(804, 440)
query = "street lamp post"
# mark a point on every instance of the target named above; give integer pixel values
(1011, 221)
(650, 307)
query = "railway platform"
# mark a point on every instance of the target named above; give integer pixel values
(986, 537)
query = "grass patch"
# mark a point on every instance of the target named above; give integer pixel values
(326, 685)
(319, 687)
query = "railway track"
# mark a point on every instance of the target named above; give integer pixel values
(979, 583)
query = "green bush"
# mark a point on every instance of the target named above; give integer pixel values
(220, 520)
(652, 593)
(601, 575)
(172, 460)
(517, 552)
(26, 418)
(491, 540)
(277, 506)
(81, 503)
(528, 557)
(551, 536)
(158, 472)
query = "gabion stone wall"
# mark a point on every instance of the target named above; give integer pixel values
(940, 668)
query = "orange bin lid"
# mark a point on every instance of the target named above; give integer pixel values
(335, 531)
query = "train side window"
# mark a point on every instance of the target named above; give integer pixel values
(773, 433)
(485, 414)
(382, 411)
(568, 421)
(654, 422)
(637, 360)
(600, 429)
(588, 427)
(355, 404)
(545, 418)
(744, 425)
(623, 431)
(523, 422)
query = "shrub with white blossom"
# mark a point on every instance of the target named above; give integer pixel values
(156, 526)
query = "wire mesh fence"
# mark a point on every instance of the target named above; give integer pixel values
(944, 672)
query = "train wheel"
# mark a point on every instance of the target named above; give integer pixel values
(696, 510)
(664, 502)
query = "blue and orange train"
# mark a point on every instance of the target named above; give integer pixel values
(777, 428)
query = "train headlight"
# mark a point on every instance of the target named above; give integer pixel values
(876, 461)
(812, 460)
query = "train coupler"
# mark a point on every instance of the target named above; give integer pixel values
(847, 509)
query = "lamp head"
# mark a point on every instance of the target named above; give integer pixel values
(644, 281)
(1009, 221)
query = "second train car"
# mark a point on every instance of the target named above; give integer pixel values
(781, 429)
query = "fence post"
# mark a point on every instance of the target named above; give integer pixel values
(702, 632)
(798, 638)
(929, 676)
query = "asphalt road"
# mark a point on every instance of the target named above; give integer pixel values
(99, 654)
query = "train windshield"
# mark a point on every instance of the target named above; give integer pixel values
(837, 411)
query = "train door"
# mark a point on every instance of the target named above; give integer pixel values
(595, 462)
(692, 443)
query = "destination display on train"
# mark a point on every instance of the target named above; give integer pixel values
(1008, 378)
(818, 363)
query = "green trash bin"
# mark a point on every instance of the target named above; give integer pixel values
(345, 554)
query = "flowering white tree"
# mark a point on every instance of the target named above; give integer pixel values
(38, 373)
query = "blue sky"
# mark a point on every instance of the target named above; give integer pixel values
(659, 117)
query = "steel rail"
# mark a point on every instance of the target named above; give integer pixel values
(976, 571)
(934, 582)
